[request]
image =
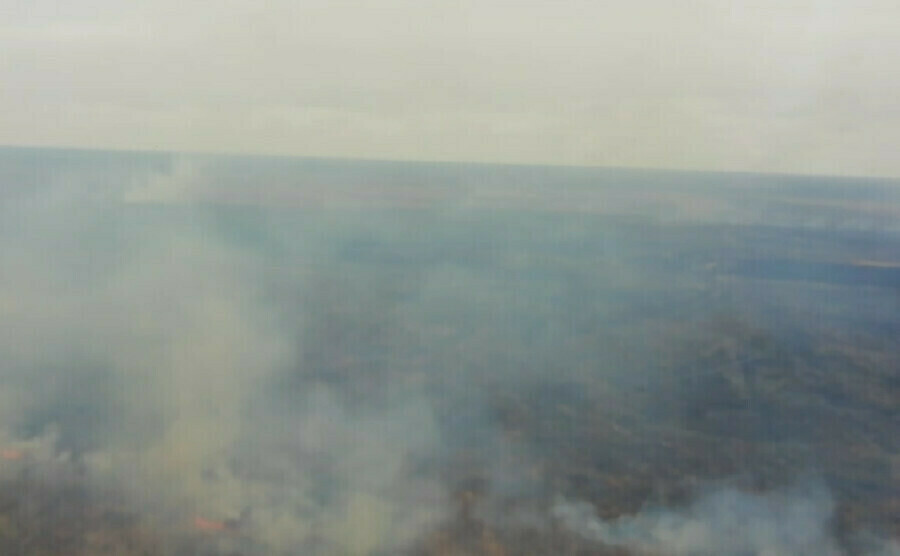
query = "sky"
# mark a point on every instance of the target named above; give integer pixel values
(797, 86)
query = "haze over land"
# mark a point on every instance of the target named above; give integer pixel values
(235, 355)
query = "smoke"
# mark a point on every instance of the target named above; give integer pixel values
(724, 520)
(180, 184)
(142, 347)
(276, 380)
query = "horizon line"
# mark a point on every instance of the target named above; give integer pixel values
(340, 158)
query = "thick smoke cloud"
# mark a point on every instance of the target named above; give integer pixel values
(141, 348)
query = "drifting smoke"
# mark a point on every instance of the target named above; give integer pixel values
(142, 348)
(321, 382)
(722, 521)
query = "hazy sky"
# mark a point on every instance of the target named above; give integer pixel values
(766, 85)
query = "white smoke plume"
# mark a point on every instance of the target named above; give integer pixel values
(142, 348)
(724, 521)
(204, 343)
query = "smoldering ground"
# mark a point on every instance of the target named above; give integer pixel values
(244, 358)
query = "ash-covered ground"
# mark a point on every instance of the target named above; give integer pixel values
(250, 356)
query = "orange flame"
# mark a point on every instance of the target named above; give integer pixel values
(11, 454)
(210, 525)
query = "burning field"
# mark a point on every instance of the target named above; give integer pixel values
(193, 366)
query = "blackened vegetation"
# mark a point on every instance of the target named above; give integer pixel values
(44, 516)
